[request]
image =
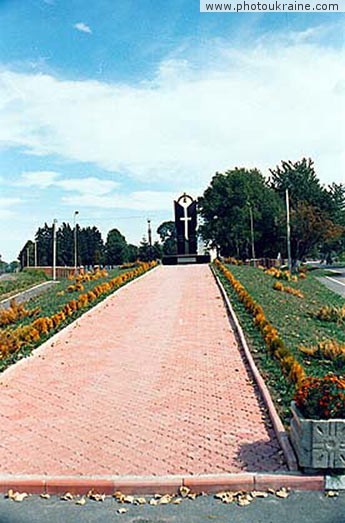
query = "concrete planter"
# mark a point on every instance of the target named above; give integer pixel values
(319, 444)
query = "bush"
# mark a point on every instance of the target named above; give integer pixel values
(322, 398)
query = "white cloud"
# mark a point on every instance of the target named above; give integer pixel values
(137, 201)
(88, 186)
(84, 28)
(7, 207)
(250, 107)
(40, 179)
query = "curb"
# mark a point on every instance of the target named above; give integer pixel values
(150, 485)
(14, 296)
(278, 426)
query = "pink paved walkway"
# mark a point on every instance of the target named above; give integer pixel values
(151, 382)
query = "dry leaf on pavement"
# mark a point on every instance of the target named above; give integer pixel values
(184, 491)
(81, 501)
(67, 497)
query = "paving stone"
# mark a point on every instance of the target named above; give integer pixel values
(152, 382)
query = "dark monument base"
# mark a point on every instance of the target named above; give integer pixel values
(186, 259)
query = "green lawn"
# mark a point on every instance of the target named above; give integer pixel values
(19, 282)
(51, 302)
(291, 316)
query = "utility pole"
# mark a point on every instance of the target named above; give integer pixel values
(149, 232)
(75, 242)
(28, 256)
(252, 231)
(35, 245)
(149, 235)
(288, 231)
(54, 249)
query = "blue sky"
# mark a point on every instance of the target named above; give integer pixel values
(114, 108)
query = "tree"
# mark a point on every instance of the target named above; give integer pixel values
(44, 241)
(167, 234)
(132, 252)
(26, 256)
(317, 212)
(225, 211)
(90, 246)
(65, 245)
(148, 252)
(115, 248)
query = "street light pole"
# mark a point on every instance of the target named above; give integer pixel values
(75, 242)
(252, 231)
(149, 234)
(35, 244)
(54, 249)
(288, 230)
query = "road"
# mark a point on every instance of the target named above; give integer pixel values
(336, 282)
(24, 296)
(301, 507)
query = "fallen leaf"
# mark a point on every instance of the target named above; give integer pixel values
(164, 500)
(259, 494)
(81, 501)
(140, 501)
(19, 496)
(128, 499)
(45, 496)
(67, 497)
(184, 491)
(192, 496)
(122, 510)
(243, 502)
(282, 493)
(177, 501)
(331, 494)
(153, 501)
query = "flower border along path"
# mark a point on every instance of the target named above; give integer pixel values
(18, 342)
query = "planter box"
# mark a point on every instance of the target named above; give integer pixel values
(319, 444)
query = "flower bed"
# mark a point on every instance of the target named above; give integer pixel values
(295, 363)
(26, 336)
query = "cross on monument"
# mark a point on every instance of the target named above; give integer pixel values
(186, 223)
(185, 217)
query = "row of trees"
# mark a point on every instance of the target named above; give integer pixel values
(91, 249)
(240, 207)
(317, 212)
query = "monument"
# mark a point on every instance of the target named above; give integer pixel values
(186, 232)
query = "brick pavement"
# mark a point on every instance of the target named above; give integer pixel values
(151, 382)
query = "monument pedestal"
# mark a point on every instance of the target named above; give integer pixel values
(186, 259)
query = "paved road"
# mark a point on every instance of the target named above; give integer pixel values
(149, 382)
(336, 282)
(26, 295)
(300, 507)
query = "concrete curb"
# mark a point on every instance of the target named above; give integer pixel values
(149, 485)
(14, 296)
(278, 426)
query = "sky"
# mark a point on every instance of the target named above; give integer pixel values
(115, 108)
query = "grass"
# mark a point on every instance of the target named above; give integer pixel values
(19, 282)
(292, 316)
(51, 302)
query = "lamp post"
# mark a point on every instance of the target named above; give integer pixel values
(252, 231)
(149, 235)
(35, 252)
(288, 230)
(54, 249)
(75, 242)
